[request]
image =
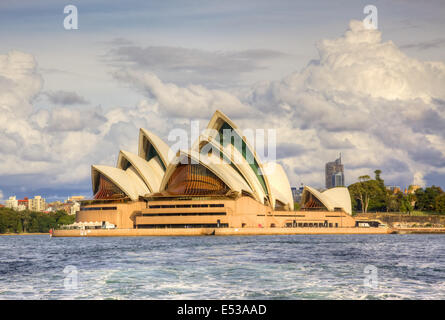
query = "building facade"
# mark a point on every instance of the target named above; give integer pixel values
(37, 204)
(11, 203)
(334, 174)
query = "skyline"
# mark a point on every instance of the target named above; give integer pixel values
(73, 98)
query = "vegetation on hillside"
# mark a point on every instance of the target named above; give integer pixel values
(30, 221)
(371, 195)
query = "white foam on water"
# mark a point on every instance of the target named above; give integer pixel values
(282, 267)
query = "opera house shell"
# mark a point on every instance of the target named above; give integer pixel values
(220, 182)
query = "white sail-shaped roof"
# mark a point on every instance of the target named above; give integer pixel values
(332, 198)
(280, 186)
(220, 168)
(162, 149)
(340, 197)
(128, 180)
(215, 124)
(230, 153)
(151, 171)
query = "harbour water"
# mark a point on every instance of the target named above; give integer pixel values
(250, 267)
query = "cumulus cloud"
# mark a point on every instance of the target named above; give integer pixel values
(65, 97)
(363, 97)
(419, 179)
(366, 98)
(193, 101)
(58, 144)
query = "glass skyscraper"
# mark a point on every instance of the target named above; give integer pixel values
(334, 174)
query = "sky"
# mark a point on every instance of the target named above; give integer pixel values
(307, 69)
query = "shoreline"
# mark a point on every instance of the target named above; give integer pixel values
(228, 232)
(25, 234)
(419, 230)
(215, 232)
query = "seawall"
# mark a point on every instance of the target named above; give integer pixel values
(420, 230)
(215, 232)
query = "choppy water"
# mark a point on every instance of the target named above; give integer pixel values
(262, 267)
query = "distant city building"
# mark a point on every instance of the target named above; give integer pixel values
(394, 189)
(37, 204)
(74, 208)
(22, 204)
(12, 203)
(334, 174)
(71, 205)
(297, 192)
(412, 189)
(54, 206)
(338, 179)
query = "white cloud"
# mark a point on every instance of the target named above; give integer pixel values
(193, 101)
(418, 179)
(362, 97)
(57, 144)
(366, 98)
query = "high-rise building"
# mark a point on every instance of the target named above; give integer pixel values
(334, 174)
(37, 204)
(11, 203)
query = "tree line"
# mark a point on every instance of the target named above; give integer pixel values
(371, 195)
(12, 221)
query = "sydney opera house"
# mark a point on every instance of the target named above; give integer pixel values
(218, 183)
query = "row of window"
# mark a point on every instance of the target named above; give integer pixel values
(167, 226)
(163, 206)
(284, 215)
(172, 214)
(311, 225)
(98, 208)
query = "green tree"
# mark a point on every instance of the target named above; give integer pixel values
(406, 205)
(426, 199)
(19, 227)
(379, 201)
(440, 203)
(29, 221)
(381, 182)
(393, 201)
(364, 192)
